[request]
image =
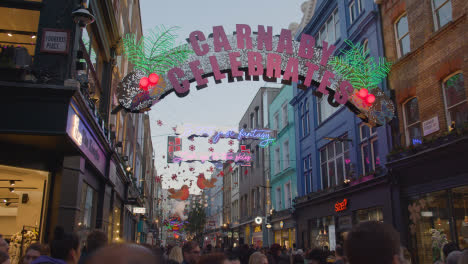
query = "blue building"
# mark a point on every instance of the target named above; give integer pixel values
(333, 145)
(283, 167)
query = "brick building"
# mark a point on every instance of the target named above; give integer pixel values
(426, 40)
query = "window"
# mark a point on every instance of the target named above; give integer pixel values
(286, 155)
(287, 195)
(88, 205)
(254, 199)
(442, 12)
(276, 120)
(257, 117)
(277, 160)
(305, 162)
(304, 110)
(330, 31)
(402, 36)
(325, 110)
(334, 159)
(252, 121)
(352, 12)
(360, 7)
(456, 105)
(369, 149)
(257, 156)
(284, 110)
(365, 46)
(130, 13)
(412, 123)
(278, 199)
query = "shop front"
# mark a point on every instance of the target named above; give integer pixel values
(257, 236)
(284, 228)
(324, 220)
(434, 200)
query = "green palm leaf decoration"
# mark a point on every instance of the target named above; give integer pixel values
(358, 68)
(155, 52)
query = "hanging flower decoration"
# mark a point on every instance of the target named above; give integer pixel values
(174, 177)
(231, 150)
(211, 169)
(159, 122)
(230, 169)
(220, 174)
(192, 147)
(175, 129)
(246, 172)
(191, 169)
(157, 179)
(231, 142)
(210, 140)
(211, 149)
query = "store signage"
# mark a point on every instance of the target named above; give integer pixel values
(245, 151)
(173, 144)
(55, 41)
(258, 229)
(341, 206)
(281, 224)
(430, 126)
(185, 156)
(258, 220)
(85, 140)
(139, 210)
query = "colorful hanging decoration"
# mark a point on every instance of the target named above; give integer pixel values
(159, 122)
(210, 140)
(231, 142)
(192, 148)
(231, 150)
(211, 149)
(203, 183)
(182, 194)
(174, 177)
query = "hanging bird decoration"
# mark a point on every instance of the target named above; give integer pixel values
(182, 194)
(203, 183)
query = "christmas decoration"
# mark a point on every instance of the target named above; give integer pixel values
(231, 150)
(211, 149)
(192, 147)
(210, 140)
(159, 122)
(174, 177)
(203, 183)
(231, 142)
(182, 194)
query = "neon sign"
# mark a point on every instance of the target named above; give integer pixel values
(173, 144)
(244, 134)
(246, 151)
(341, 206)
(185, 156)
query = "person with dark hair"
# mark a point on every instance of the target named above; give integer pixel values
(339, 255)
(191, 252)
(95, 240)
(64, 249)
(123, 254)
(233, 258)
(4, 258)
(214, 258)
(33, 252)
(4, 247)
(275, 256)
(373, 242)
(448, 248)
(317, 256)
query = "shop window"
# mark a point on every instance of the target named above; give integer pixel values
(334, 163)
(88, 207)
(369, 149)
(460, 215)
(322, 233)
(412, 124)
(330, 31)
(370, 214)
(18, 34)
(442, 12)
(456, 104)
(325, 110)
(402, 36)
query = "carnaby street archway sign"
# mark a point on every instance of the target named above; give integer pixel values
(249, 55)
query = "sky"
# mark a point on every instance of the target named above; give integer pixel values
(220, 105)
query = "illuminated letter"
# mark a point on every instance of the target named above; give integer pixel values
(292, 70)
(325, 82)
(310, 73)
(306, 47)
(273, 62)
(220, 40)
(215, 66)
(172, 74)
(255, 60)
(194, 42)
(235, 64)
(326, 52)
(197, 72)
(285, 42)
(241, 36)
(265, 38)
(342, 95)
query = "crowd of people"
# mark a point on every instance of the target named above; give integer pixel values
(367, 243)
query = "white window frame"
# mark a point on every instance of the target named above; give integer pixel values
(286, 156)
(320, 101)
(277, 160)
(276, 121)
(252, 120)
(352, 12)
(335, 158)
(279, 204)
(284, 113)
(434, 13)
(405, 123)
(447, 113)
(365, 45)
(305, 118)
(360, 6)
(371, 154)
(323, 32)
(397, 38)
(287, 200)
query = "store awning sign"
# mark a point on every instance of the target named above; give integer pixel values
(139, 210)
(341, 206)
(55, 41)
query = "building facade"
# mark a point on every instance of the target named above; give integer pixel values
(214, 211)
(426, 40)
(333, 145)
(283, 180)
(253, 178)
(235, 204)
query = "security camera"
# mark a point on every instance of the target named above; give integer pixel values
(82, 17)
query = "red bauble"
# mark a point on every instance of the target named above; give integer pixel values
(370, 99)
(144, 82)
(363, 93)
(153, 78)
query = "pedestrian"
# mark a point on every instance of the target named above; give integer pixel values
(33, 252)
(339, 255)
(464, 257)
(258, 258)
(453, 257)
(4, 258)
(4, 247)
(94, 241)
(214, 258)
(176, 255)
(64, 249)
(233, 258)
(298, 258)
(317, 256)
(373, 242)
(448, 248)
(191, 252)
(123, 254)
(275, 256)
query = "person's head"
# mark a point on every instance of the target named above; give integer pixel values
(258, 258)
(453, 257)
(123, 254)
(317, 256)
(191, 252)
(373, 242)
(32, 253)
(214, 258)
(176, 254)
(275, 249)
(4, 247)
(65, 246)
(339, 251)
(4, 258)
(95, 240)
(449, 247)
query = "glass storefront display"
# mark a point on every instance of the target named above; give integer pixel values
(370, 214)
(436, 219)
(322, 232)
